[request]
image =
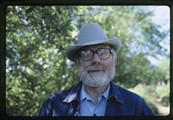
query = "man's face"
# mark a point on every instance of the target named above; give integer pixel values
(96, 72)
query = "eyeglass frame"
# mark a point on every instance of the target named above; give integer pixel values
(111, 51)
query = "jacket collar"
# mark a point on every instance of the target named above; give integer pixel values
(114, 92)
(74, 94)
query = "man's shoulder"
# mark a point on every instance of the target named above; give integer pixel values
(133, 102)
(58, 102)
(61, 95)
(127, 94)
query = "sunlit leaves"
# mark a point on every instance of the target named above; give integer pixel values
(37, 36)
(36, 41)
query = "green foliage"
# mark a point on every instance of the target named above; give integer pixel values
(163, 93)
(36, 63)
(37, 36)
(154, 94)
(145, 92)
(164, 70)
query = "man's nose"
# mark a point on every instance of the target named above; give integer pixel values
(96, 59)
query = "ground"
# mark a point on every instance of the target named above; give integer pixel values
(162, 110)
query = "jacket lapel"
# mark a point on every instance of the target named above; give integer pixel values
(114, 101)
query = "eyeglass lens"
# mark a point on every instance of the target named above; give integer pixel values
(87, 55)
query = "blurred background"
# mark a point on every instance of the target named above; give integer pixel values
(37, 36)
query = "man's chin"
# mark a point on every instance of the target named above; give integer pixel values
(97, 83)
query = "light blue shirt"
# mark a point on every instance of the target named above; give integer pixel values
(87, 105)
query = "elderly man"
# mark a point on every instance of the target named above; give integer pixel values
(96, 94)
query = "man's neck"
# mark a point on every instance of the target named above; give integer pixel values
(95, 92)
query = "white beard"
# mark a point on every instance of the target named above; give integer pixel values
(96, 79)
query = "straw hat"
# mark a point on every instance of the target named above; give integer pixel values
(91, 34)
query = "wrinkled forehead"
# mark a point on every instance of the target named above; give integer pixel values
(95, 47)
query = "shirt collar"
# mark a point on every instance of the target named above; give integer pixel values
(85, 95)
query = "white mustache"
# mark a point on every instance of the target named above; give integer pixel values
(96, 67)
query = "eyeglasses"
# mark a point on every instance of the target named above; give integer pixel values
(87, 55)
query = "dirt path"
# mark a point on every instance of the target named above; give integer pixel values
(162, 110)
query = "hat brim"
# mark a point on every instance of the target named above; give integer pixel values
(72, 50)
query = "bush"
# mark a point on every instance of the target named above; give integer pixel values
(144, 92)
(162, 92)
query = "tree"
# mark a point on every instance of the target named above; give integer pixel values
(35, 55)
(37, 36)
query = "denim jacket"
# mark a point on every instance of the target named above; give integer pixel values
(121, 102)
